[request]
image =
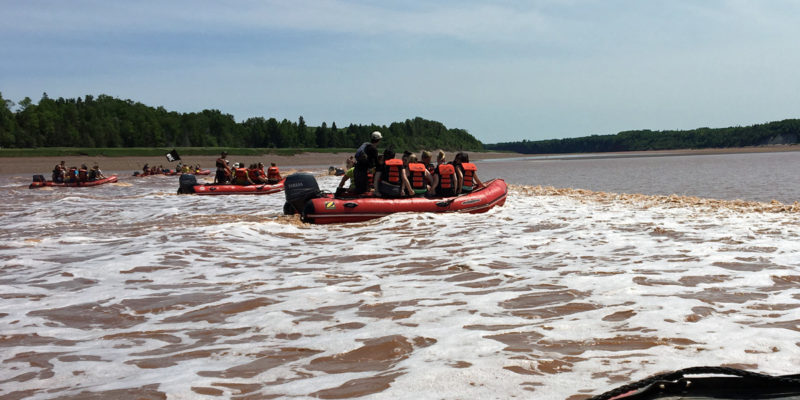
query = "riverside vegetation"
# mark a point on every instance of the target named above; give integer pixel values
(107, 123)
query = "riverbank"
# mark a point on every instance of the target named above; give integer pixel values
(43, 165)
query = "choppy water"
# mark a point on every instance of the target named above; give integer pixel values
(128, 290)
(747, 176)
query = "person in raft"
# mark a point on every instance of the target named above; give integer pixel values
(425, 159)
(83, 173)
(59, 172)
(392, 180)
(418, 176)
(444, 177)
(240, 176)
(273, 174)
(348, 176)
(256, 173)
(223, 175)
(95, 173)
(366, 158)
(467, 174)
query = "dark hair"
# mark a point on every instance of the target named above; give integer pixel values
(464, 157)
(388, 154)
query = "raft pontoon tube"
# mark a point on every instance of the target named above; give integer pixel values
(38, 181)
(188, 185)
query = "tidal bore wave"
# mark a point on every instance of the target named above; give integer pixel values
(131, 291)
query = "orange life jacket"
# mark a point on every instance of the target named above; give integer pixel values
(469, 174)
(417, 177)
(393, 171)
(241, 175)
(273, 174)
(82, 175)
(447, 180)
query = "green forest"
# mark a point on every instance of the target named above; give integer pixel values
(780, 132)
(108, 122)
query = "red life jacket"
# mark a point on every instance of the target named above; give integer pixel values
(82, 175)
(394, 168)
(469, 174)
(253, 174)
(273, 174)
(447, 180)
(72, 175)
(417, 177)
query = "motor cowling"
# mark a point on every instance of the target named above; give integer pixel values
(300, 188)
(187, 183)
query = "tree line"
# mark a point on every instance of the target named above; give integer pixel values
(105, 121)
(779, 132)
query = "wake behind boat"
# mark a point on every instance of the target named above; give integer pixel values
(303, 196)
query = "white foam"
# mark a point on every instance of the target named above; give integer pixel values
(699, 282)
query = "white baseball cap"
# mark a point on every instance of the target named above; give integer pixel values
(376, 135)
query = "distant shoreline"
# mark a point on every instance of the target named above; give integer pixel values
(656, 153)
(124, 165)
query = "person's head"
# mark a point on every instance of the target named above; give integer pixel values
(350, 162)
(96, 166)
(440, 157)
(388, 154)
(376, 137)
(273, 164)
(457, 158)
(260, 165)
(412, 158)
(224, 154)
(83, 166)
(464, 157)
(426, 156)
(63, 162)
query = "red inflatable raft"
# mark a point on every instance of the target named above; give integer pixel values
(236, 189)
(173, 172)
(38, 184)
(328, 209)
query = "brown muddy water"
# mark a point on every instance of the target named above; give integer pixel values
(130, 291)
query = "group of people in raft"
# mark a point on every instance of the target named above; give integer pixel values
(62, 174)
(180, 168)
(239, 175)
(407, 176)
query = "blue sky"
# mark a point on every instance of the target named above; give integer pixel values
(503, 70)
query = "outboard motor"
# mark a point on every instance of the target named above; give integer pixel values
(299, 188)
(187, 183)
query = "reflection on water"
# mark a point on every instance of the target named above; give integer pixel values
(129, 290)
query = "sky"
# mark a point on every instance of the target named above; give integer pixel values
(503, 70)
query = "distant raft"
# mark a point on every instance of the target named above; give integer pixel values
(38, 181)
(173, 172)
(188, 185)
(303, 196)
